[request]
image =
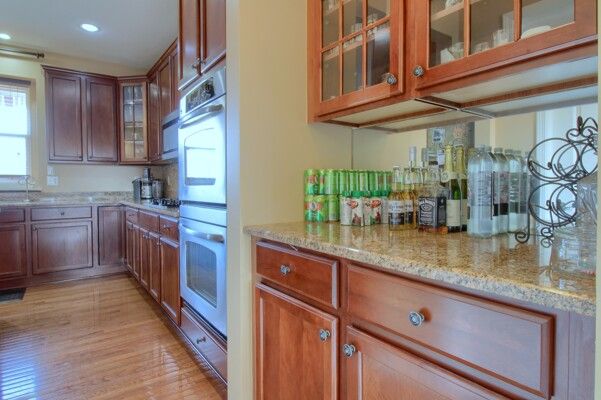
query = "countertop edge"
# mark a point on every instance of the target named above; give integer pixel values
(166, 212)
(529, 293)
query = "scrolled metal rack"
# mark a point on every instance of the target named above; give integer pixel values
(560, 175)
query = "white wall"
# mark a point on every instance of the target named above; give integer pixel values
(269, 146)
(72, 178)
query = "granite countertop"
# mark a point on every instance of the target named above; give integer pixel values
(499, 266)
(171, 211)
(40, 199)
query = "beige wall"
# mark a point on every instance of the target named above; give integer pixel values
(269, 146)
(71, 177)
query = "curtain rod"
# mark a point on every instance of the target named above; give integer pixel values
(24, 52)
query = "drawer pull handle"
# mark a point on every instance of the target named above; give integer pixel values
(349, 350)
(284, 270)
(416, 318)
(201, 340)
(324, 335)
(62, 213)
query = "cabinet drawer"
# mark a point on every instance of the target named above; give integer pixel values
(131, 215)
(148, 220)
(504, 341)
(204, 342)
(8, 215)
(169, 227)
(43, 214)
(307, 274)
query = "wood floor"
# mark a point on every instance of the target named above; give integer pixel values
(96, 339)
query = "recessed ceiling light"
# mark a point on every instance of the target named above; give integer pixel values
(5, 36)
(89, 27)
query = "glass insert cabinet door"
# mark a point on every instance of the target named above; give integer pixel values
(134, 141)
(358, 50)
(483, 32)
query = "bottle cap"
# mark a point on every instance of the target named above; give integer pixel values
(367, 193)
(356, 193)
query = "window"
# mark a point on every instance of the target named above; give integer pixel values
(15, 128)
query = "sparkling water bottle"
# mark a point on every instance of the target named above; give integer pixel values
(502, 189)
(480, 191)
(515, 183)
(524, 192)
(496, 206)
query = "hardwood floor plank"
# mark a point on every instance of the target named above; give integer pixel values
(97, 339)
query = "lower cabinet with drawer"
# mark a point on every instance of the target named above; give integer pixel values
(59, 246)
(402, 338)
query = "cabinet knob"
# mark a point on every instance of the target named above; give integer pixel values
(201, 340)
(349, 350)
(196, 63)
(418, 71)
(416, 318)
(389, 78)
(284, 270)
(324, 335)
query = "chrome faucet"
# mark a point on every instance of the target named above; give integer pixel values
(26, 180)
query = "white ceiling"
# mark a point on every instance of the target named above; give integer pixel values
(132, 32)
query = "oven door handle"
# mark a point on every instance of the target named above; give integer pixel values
(203, 235)
(200, 114)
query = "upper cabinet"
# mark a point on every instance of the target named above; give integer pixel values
(457, 38)
(134, 134)
(356, 52)
(201, 38)
(367, 54)
(81, 117)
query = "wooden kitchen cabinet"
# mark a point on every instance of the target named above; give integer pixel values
(459, 39)
(154, 266)
(81, 117)
(130, 246)
(212, 33)
(13, 252)
(144, 258)
(133, 121)
(165, 92)
(136, 251)
(295, 348)
(189, 41)
(377, 370)
(111, 235)
(356, 52)
(170, 295)
(154, 118)
(59, 246)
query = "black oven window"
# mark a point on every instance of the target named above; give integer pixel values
(201, 272)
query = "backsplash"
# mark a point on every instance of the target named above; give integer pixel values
(170, 177)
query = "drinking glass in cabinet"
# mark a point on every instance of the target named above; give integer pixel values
(352, 16)
(330, 85)
(129, 133)
(378, 54)
(128, 93)
(129, 149)
(491, 24)
(128, 113)
(446, 31)
(138, 93)
(539, 16)
(330, 17)
(138, 113)
(139, 150)
(377, 10)
(352, 64)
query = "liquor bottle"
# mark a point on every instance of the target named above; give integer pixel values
(460, 168)
(515, 182)
(524, 192)
(410, 200)
(479, 187)
(496, 206)
(396, 203)
(450, 181)
(433, 204)
(502, 189)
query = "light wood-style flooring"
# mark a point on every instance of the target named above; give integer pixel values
(96, 339)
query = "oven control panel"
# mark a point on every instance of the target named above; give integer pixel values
(210, 88)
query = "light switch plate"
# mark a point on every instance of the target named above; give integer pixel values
(50, 170)
(52, 180)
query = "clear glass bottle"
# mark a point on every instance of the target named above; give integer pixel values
(495, 199)
(479, 181)
(460, 168)
(410, 200)
(524, 192)
(502, 189)
(396, 203)
(515, 182)
(450, 181)
(433, 204)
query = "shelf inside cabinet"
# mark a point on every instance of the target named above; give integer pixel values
(445, 12)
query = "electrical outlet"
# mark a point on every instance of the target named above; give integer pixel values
(52, 180)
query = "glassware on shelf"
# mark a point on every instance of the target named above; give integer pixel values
(575, 249)
(539, 16)
(446, 32)
(491, 24)
(352, 12)
(586, 200)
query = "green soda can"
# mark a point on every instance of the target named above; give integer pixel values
(343, 181)
(333, 207)
(330, 182)
(311, 182)
(308, 208)
(372, 178)
(321, 177)
(363, 181)
(387, 185)
(320, 208)
(380, 180)
(353, 181)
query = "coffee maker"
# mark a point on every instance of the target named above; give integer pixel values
(143, 187)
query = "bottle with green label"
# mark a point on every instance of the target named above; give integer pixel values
(450, 181)
(460, 168)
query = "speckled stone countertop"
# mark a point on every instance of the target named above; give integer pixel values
(499, 265)
(171, 212)
(40, 199)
